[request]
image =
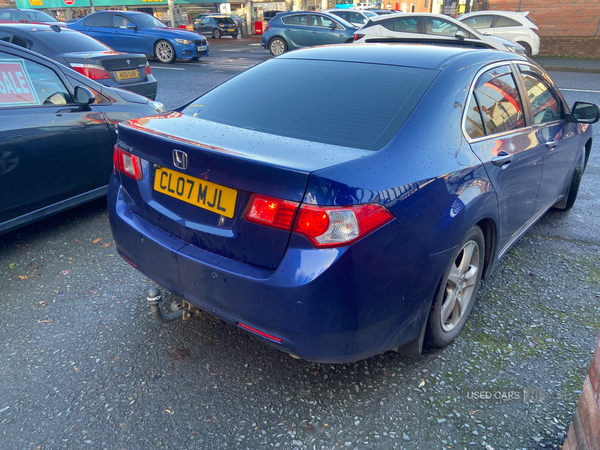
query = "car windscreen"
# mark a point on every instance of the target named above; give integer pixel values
(318, 101)
(67, 42)
(38, 16)
(147, 21)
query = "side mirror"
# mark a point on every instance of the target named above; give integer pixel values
(332, 26)
(460, 35)
(585, 112)
(84, 97)
(131, 26)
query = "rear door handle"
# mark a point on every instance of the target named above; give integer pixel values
(550, 144)
(502, 159)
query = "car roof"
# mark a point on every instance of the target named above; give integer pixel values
(30, 27)
(424, 56)
(400, 13)
(520, 14)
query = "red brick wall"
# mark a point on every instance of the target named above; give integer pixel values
(584, 433)
(563, 26)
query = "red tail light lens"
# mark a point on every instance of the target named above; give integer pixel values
(324, 227)
(339, 226)
(536, 31)
(358, 36)
(272, 212)
(148, 70)
(128, 164)
(91, 71)
(267, 27)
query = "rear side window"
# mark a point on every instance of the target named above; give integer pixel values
(308, 99)
(97, 20)
(405, 25)
(499, 101)
(478, 22)
(300, 19)
(5, 15)
(473, 122)
(506, 22)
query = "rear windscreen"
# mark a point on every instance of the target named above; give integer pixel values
(341, 103)
(225, 20)
(67, 42)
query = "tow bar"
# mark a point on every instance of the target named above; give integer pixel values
(186, 312)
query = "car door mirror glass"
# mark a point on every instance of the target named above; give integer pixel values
(460, 35)
(131, 26)
(585, 112)
(84, 96)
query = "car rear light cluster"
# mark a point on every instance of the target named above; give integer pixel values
(536, 31)
(266, 28)
(148, 70)
(91, 71)
(358, 36)
(323, 226)
(126, 163)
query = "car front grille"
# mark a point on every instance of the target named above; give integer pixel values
(200, 42)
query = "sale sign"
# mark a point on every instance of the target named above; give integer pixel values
(15, 85)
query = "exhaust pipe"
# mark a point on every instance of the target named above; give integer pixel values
(154, 299)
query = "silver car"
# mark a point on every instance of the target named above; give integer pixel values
(430, 28)
(511, 25)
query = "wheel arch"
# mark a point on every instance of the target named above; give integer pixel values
(490, 236)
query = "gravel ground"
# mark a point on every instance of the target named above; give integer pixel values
(82, 364)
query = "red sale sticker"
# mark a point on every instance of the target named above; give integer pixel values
(15, 85)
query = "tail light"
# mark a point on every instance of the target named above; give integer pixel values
(91, 71)
(536, 31)
(148, 70)
(266, 28)
(323, 226)
(221, 25)
(126, 163)
(358, 36)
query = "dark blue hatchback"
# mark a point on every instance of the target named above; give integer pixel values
(334, 226)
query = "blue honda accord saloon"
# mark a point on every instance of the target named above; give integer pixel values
(336, 227)
(138, 32)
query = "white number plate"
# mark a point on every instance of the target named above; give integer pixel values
(202, 48)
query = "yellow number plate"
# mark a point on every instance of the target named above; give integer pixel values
(127, 74)
(204, 194)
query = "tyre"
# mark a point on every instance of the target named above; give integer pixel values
(216, 34)
(571, 194)
(457, 290)
(277, 46)
(164, 51)
(527, 48)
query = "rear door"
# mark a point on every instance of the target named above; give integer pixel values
(298, 30)
(495, 122)
(508, 28)
(50, 151)
(99, 26)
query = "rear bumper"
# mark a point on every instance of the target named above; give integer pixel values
(147, 88)
(329, 305)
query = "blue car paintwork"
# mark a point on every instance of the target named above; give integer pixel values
(348, 303)
(141, 40)
(299, 36)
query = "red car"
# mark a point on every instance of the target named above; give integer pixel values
(28, 16)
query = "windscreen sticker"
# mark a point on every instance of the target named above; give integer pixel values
(15, 85)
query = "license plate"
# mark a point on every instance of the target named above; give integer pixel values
(127, 74)
(202, 48)
(232, 30)
(204, 194)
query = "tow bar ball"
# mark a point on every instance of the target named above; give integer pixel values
(155, 298)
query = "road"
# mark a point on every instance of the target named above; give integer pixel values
(82, 364)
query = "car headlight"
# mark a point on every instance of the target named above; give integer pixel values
(158, 106)
(515, 48)
(183, 41)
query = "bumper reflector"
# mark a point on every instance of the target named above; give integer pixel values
(260, 333)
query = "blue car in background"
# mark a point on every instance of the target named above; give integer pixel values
(293, 30)
(337, 224)
(138, 32)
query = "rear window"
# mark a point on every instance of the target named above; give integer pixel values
(225, 20)
(97, 20)
(67, 42)
(38, 16)
(318, 101)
